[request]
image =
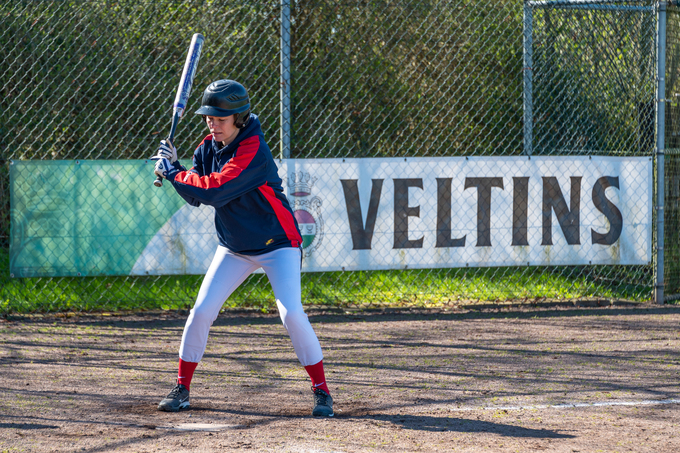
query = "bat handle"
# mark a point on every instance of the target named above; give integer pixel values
(175, 119)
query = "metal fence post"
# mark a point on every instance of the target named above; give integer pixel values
(528, 78)
(660, 146)
(285, 79)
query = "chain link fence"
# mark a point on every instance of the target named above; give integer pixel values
(95, 80)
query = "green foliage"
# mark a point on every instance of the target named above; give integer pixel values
(406, 79)
(96, 79)
(594, 82)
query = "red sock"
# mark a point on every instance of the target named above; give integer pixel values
(318, 378)
(186, 372)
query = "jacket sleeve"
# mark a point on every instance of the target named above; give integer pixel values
(197, 165)
(244, 172)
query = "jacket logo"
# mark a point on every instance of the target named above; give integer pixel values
(269, 242)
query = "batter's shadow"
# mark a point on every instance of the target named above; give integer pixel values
(461, 425)
(26, 426)
(401, 421)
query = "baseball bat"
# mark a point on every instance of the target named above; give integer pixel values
(184, 88)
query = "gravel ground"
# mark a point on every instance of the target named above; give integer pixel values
(518, 379)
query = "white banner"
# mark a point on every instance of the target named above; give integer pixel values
(396, 213)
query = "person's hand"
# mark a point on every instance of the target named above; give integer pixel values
(163, 166)
(166, 151)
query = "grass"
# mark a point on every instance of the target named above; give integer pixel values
(437, 287)
(419, 288)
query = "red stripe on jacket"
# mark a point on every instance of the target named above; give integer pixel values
(244, 154)
(284, 215)
(207, 137)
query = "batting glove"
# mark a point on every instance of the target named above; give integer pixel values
(163, 167)
(167, 151)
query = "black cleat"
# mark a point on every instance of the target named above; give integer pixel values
(176, 400)
(323, 404)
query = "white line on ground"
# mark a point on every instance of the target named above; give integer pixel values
(199, 427)
(566, 405)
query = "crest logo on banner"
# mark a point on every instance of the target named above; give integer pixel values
(307, 210)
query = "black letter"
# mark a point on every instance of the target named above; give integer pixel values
(569, 219)
(361, 237)
(402, 212)
(483, 186)
(444, 216)
(520, 210)
(609, 209)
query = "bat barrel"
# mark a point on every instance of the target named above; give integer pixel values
(184, 88)
(190, 66)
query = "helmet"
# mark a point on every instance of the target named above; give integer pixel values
(225, 98)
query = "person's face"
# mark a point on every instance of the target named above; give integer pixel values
(222, 128)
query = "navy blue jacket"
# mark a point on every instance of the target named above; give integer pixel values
(241, 181)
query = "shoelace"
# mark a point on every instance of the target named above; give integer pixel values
(175, 392)
(320, 398)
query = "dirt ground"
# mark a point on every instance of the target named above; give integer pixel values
(517, 380)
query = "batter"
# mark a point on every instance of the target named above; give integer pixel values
(234, 171)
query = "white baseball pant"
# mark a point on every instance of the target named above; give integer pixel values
(226, 272)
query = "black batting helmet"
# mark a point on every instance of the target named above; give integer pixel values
(225, 98)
